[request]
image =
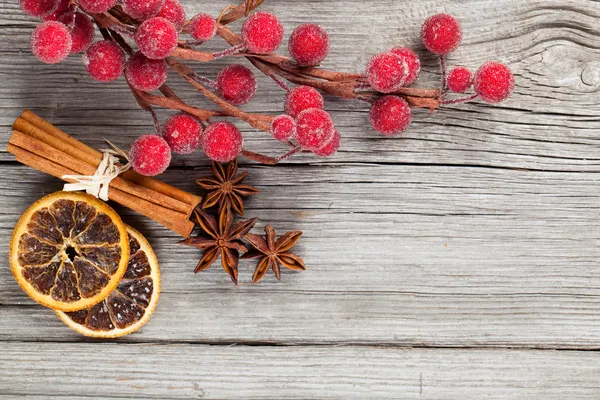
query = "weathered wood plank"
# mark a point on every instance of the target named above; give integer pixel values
(191, 371)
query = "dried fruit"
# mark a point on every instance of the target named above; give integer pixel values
(236, 84)
(387, 72)
(156, 38)
(494, 82)
(459, 79)
(390, 115)
(51, 42)
(203, 27)
(131, 304)
(69, 251)
(302, 98)
(412, 61)
(262, 33)
(142, 9)
(174, 12)
(82, 32)
(309, 45)
(104, 61)
(150, 155)
(97, 6)
(145, 74)
(38, 8)
(226, 188)
(222, 238)
(222, 141)
(273, 253)
(182, 132)
(441, 34)
(283, 128)
(314, 129)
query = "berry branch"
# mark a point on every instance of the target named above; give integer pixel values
(157, 26)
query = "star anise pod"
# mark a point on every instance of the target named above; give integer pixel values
(273, 253)
(220, 237)
(225, 188)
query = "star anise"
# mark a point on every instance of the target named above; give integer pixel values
(220, 237)
(225, 188)
(273, 253)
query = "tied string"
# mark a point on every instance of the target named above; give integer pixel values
(97, 185)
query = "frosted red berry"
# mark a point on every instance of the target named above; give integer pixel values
(441, 34)
(149, 155)
(494, 82)
(459, 79)
(82, 31)
(51, 42)
(203, 27)
(390, 115)
(38, 8)
(262, 33)
(97, 6)
(62, 7)
(283, 128)
(182, 132)
(332, 147)
(413, 63)
(144, 73)
(387, 72)
(309, 45)
(222, 141)
(104, 61)
(156, 38)
(236, 84)
(142, 9)
(302, 98)
(314, 129)
(174, 12)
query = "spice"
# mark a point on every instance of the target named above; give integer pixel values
(226, 188)
(274, 253)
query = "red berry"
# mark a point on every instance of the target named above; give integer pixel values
(97, 6)
(441, 34)
(262, 33)
(459, 79)
(38, 8)
(236, 84)
(142, 9)
(82, 31)
(51, 42)
(283, 128)
(145, 74)
(104, 61)
(412, 61)
(309, 45)
(174, 12)
(156, 38)
(63, 5)
(222, 141)
(203, 27)
(331, 148)
(182, 132)
(302, 98)
(314, 129)
(149, 155)
(390, 115)
(387, 72)
(494, 82)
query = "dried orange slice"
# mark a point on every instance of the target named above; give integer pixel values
(131, 304)
(69, 250)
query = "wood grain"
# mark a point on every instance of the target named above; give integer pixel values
(477, 230)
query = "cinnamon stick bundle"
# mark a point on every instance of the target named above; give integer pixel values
(37, 143)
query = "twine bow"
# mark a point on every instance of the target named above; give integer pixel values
(109, 168)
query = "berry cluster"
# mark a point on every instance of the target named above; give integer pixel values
(158, 29)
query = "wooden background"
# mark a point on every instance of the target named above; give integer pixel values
(457, 261)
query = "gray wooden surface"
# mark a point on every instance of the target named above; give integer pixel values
(459, 261)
